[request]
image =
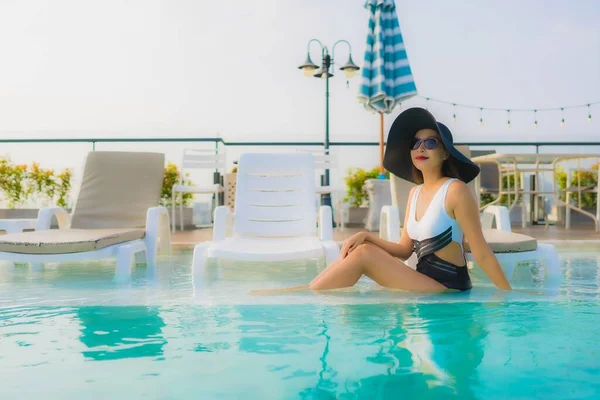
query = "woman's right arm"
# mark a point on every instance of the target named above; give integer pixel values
(404, 248)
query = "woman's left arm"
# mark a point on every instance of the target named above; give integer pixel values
(467, 215)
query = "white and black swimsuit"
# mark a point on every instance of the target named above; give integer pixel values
(433, 232)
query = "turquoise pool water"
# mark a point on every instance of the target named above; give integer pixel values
(70, 332)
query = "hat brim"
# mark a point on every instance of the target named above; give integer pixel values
(397, 159)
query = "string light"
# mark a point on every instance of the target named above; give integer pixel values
(508, 111)
(453, 113)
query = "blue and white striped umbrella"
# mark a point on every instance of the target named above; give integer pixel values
(386, 76)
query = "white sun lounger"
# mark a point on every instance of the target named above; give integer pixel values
(275, 215)
(116, 216)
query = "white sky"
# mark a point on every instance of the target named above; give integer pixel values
(201, 68)
(150, 68)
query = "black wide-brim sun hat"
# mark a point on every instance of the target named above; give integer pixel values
(397, 159)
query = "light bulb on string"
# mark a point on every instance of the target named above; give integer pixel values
(508, 121)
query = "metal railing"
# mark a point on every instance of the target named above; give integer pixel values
(224, 142)
(219, 142)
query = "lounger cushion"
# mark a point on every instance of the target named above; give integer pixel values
(63, 241)
(117, 189)
(507, 242)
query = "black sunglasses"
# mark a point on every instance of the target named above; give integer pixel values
(429, 143)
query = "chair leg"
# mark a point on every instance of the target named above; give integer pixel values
(126, 254)
(550, 256)
(200, 272)
(151, 253)
(332, 252)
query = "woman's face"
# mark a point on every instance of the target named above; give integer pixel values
(429, 152)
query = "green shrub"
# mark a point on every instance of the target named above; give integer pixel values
(583, 179)
(172, 177)
(20, 183)
(356, 196)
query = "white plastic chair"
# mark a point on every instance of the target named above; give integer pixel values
(510, 248)
(116, 215)
(274, 217)
(324, 160)
(196, 159)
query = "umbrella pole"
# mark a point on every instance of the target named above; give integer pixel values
(381, 170)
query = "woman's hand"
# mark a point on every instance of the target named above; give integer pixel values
(353, 242)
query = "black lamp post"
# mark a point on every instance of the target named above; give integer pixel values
(325, 72)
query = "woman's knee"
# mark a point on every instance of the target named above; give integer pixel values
(365, 250)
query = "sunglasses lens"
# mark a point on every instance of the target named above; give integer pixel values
(415, 144)
(430, 144)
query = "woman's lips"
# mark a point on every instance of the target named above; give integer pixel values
(421, 158)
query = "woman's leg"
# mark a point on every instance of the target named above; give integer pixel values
(377, 264)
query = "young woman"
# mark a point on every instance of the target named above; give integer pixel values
(440, 210)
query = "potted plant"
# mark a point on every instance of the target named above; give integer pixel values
(356, 195)
(172, 176)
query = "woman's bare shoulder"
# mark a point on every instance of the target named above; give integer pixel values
(458, 188)
(459, 193)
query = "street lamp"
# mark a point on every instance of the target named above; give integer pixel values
(325, 72)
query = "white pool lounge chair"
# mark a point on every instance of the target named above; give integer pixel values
(116, 216)
(275, 215)
(511, 249)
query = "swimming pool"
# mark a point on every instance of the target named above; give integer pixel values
(69, 332)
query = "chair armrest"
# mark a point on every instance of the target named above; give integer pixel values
(389, 225)
(158, 227)
(44, 218)
(501, 215)
(222, 216)
(329, 189)
(325, 223)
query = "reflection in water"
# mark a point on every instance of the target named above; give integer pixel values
(111, 333)
(422, 351)
(380, 351)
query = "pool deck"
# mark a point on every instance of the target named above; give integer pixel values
(580, 234)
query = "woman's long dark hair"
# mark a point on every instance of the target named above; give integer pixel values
(449, 169)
